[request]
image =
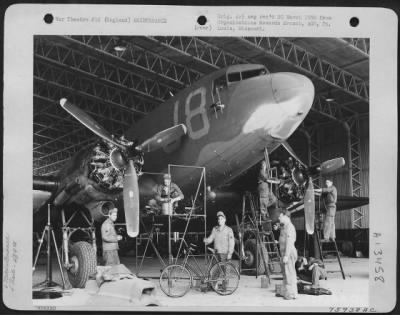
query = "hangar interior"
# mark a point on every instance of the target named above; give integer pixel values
(118, 80)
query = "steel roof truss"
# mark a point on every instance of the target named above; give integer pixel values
(314, 65)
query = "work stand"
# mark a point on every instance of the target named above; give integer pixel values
(201, 189)
(148, 236)
(48, 232)
(172, 236)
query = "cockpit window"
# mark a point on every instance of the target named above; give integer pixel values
(253, 73)
(237, 76)
(234, 76)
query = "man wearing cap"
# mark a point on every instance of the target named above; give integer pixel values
(329, 195)
(223, 239)
(110, 239)
(168, 192)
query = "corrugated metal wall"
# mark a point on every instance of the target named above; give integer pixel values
(333, 143)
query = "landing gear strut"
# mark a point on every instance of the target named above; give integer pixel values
(79, 259)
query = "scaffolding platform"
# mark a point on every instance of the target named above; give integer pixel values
(175, 230)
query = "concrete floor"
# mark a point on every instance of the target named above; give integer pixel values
(352, 292)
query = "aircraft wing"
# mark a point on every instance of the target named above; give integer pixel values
(350, 202)
(343, 203)
(39, 199)
(43, 189)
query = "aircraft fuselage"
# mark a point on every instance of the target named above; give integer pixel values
(258, 112)
(231, 116)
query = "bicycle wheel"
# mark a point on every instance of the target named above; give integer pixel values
(175, 280)
(224, 278)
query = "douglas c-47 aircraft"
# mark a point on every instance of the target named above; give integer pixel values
(224, 122)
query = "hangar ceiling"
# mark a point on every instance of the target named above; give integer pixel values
(118, 88)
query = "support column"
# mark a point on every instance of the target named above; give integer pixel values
(353, 137)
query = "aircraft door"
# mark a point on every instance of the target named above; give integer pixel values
(218, 93)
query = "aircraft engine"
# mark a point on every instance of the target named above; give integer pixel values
(298, 176)
(107, 165)
(99, 209)
(117, 159)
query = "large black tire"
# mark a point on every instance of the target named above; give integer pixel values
(83, 259)
(250, 250)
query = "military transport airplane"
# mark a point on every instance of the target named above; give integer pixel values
(224, 122)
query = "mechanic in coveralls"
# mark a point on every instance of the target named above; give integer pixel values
(110, 239)
(167, 193)
(311, 270)
(329, 195)
(267, 198)
(287, 239)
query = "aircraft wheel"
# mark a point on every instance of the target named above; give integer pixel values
(83, 260)
(250, 250)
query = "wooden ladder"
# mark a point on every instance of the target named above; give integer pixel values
(271, 245)
(252, 221)
(322, 251)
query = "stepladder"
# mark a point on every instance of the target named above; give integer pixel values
(324, 251)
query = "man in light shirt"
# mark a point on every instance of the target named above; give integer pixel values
(222, 236)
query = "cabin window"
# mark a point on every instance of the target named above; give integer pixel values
(234, 76)
(253, 73)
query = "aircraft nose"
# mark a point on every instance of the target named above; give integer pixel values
(294, 92)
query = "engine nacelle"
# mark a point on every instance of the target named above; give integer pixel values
(99, 209)
(45, 183)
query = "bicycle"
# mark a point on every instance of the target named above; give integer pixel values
(177, 279)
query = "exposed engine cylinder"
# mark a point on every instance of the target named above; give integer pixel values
(102, 169)
(99, 209)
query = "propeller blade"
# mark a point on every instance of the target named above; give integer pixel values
(309, 207)
(332, 165)
(288, 148)
(162, 138)
(131, 200)
(88, 121)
